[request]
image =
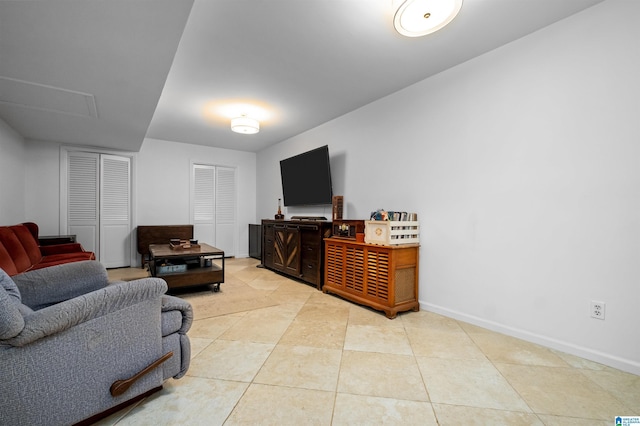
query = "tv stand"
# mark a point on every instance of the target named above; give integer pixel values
(295, 248)
(308, 218)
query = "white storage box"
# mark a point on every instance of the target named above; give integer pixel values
(389, 232)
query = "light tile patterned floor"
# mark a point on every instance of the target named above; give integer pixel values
(311, 358)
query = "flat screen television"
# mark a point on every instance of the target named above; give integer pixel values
(306, 178)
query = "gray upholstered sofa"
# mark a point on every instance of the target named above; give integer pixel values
(70, 341)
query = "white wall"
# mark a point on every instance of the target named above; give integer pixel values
(162, 171)
(12, 173)
(523, 166)
(42, 195)
(163, 184)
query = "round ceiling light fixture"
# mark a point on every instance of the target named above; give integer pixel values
(415, 18)
(245, 125)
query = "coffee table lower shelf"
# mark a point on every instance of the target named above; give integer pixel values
(193, 277)
(187, 267)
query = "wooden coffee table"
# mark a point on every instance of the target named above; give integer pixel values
(183, 267)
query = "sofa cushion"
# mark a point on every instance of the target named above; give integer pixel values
(33, 228)
(29, 243)
(15, 249)
(58, 259)
(11, 319)
(6, 262)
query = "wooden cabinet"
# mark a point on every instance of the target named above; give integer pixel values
(294, 248)
(286, 248)
(381, 277)
(267, 244)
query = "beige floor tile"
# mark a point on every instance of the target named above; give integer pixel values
(371, 410)
(256, 329)
(228, 301)
(286, 294)
(324, 312)
(290, 366)
(561, 392)
(470, 382)
(296, 286)
(623, 386)
(198, 344)
(278, 405)
(430, 320)
(361, 315)
(384, 375)
(549, 420)
(581, 363)
(369, 338)
(212, 328)
(509, 350)
(249, 274)
(114, 418)
(230, 360)
(470, 328)
(319, 297)
(473, 416)
(438, 343)
(264, 284)
(329, 335)
(281, 311)
(190, 400)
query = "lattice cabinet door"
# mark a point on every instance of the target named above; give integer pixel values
(355, 269)
(382, 277)
(378, 277)
(335, 268)
(286, 253)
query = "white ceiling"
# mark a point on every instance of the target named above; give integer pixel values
(110, 72)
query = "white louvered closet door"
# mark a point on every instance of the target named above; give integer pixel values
(226, 210)
(98, 200)
(115, 212)
(203, 203)
(213, 206)
(82, 199)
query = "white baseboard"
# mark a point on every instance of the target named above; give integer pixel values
(586, 353)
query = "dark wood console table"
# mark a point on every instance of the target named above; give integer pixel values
(184, 267)
(294, 248)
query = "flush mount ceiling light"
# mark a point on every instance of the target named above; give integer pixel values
(245, 125)
(415, 18)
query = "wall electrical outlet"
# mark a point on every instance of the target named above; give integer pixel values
(597, 309)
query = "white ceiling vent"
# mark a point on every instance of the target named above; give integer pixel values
(46, 98)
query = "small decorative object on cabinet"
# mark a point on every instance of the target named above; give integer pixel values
(381, 277)
(294, 247)
(337, 207)
(347, 228)
(279, 215)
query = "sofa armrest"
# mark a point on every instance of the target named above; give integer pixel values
(67, 314)
(61, 249)
(47, 286)
(175, 304)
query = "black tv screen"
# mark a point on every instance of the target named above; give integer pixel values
(306, 178)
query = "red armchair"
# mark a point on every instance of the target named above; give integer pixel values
(21, 252)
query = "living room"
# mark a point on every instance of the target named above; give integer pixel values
(521, 164)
